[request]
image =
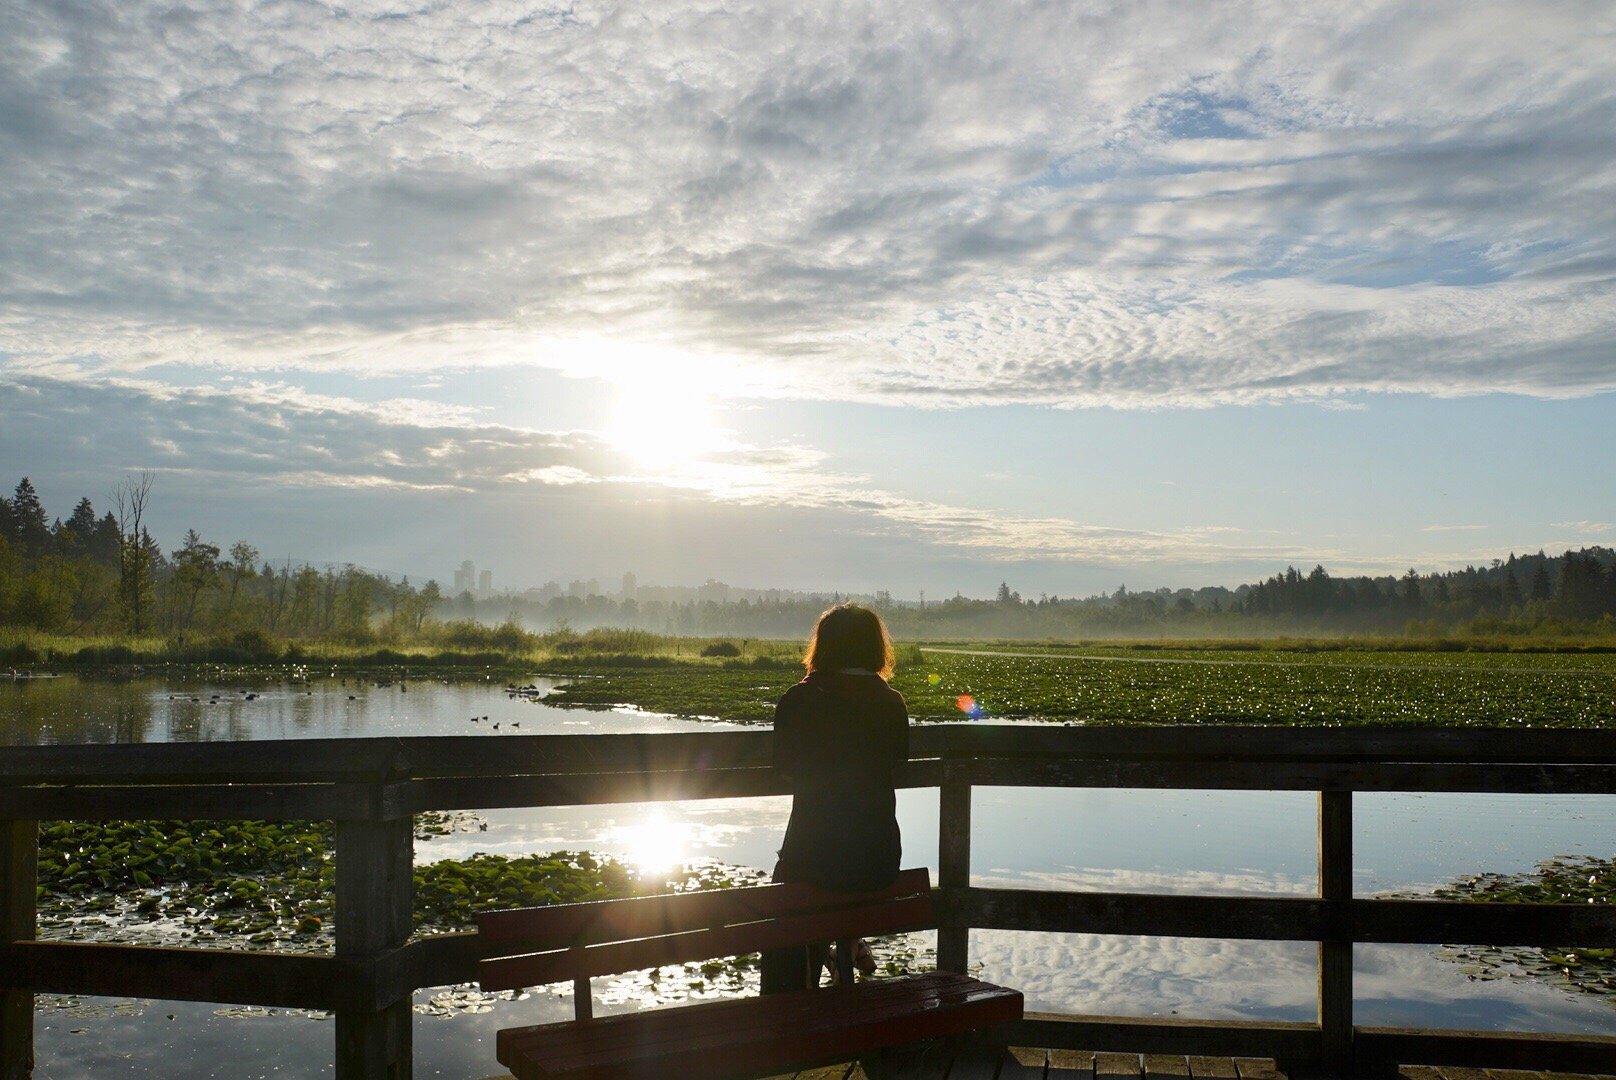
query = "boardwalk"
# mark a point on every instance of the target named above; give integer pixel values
(1021, 1063)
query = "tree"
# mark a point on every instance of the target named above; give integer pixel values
(243, 560)
(1580, 586)
(196, 567)
(1541, 589)
(30, 530)
(1411, 588)
(103, 543)
(1512, 589)
(135, 550)
(79, 530)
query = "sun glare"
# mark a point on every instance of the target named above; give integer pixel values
(655, 845)
(664, 422)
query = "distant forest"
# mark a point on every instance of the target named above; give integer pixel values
(101, 572)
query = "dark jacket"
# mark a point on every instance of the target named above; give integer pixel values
(840, 738)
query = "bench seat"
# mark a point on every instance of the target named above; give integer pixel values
(746, 1037)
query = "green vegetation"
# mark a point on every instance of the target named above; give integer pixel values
(439, 645)
(1562, 880)
(272, 882)
(1111, 685)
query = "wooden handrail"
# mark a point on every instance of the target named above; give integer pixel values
(365, 760)
(372, 786)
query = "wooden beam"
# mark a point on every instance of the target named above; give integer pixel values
(555, 926)
(1280, 918)
(1384, 1047)
(1335, 947)
(953, 867)
(370, 760)
(176, 802)
(898, 916)
(1254, 743)
(1232, 773)
(374, 901)
(19, 875)
(233, 976)
(1131, 1034)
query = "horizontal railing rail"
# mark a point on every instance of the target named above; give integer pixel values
(372, 787)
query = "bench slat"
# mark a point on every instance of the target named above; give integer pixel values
(561, 925)
(738, 1018)
(728, 1040)
(559, 965)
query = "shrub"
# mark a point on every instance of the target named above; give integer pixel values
(721, 649)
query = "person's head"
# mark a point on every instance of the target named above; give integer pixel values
(849, 636)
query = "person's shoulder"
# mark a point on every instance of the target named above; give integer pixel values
(794, 695)
(899, 705)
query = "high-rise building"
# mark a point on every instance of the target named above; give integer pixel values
(465, 578)
(485, 583)
(631, 585)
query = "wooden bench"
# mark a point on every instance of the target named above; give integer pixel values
(731, 1039)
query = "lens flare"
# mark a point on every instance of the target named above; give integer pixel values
(969, 706)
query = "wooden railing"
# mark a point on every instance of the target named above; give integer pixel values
(371, 787)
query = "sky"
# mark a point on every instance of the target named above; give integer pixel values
(851, 296)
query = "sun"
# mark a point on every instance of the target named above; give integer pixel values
(662, 420)
(654, 845)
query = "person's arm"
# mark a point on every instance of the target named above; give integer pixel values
(898, 748)
(787, 737)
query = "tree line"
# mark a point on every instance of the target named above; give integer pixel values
(1570, 593)
(102, 572)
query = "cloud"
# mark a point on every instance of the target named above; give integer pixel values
(905, 202)
(265, 440)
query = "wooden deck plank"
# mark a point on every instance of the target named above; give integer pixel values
(1257, 1069)
(1116, 1066)
(1070, 1064)
(1024, 1064)
(1165, 1066)
(921, 1061)
(1033, 1060)
(1210, 1068)
(982, 1062)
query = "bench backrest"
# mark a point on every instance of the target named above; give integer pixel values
(534, 946)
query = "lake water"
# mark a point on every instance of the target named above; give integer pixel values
(1166, 841)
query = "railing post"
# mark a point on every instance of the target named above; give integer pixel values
(19, 883)
(1335, 953)
(375, 898)
(953, 862)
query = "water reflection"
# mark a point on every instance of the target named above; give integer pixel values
(654, 845)
(85, 709)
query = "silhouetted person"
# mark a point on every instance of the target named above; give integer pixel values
(839, 737)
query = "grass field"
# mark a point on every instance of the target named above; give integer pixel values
(1117, 685)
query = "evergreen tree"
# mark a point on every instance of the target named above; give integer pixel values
(1411, 588)
(103, 544)
(1541, 587)
(80, 529)
(30, 531)
(1511, 596)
